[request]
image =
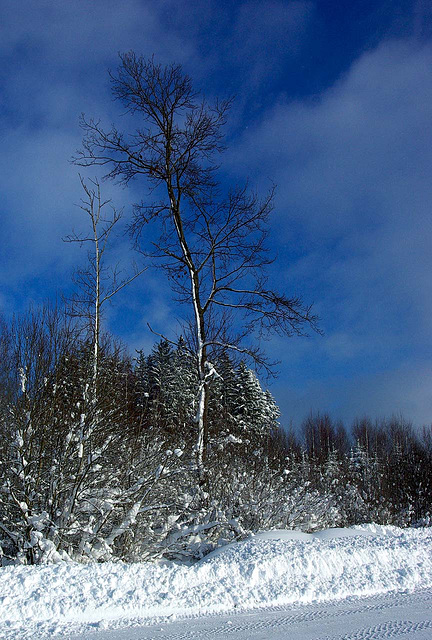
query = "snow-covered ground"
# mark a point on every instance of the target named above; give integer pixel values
(310, 575)
(395, 616)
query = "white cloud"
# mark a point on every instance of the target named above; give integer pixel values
(67, 33)
(353, 175)
(353, 169)
(404, 389)
(350, 155)
(55, 58)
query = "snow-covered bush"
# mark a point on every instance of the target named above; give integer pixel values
(112, 475)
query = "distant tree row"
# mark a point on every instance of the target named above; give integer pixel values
(111, 472)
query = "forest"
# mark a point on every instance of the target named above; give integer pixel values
(113, 475)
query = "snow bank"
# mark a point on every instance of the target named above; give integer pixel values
(273, 568)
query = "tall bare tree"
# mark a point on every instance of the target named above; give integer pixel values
(211, 245)
(97, 283)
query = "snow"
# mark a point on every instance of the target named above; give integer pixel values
(396, 616)
(271, 569)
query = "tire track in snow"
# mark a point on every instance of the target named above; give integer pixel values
(375, 603)
(382, 631)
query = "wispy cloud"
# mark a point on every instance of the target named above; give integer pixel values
(353, 169)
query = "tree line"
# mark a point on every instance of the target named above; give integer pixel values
(114, 475)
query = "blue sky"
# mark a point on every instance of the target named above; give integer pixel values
(333, 104)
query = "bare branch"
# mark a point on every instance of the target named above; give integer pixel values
(211, 245)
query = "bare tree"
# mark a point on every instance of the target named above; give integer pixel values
(97, 283)
(212, 246)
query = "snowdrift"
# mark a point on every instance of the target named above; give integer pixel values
(270, 569)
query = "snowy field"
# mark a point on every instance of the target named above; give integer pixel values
(356, 584)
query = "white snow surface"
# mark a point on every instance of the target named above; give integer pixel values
(277, 568)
